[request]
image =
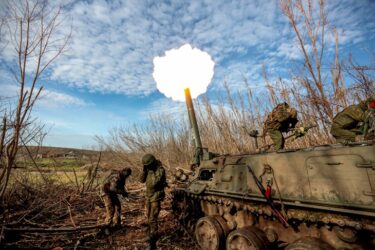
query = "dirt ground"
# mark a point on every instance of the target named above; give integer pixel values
(76, 211)
(133, 235)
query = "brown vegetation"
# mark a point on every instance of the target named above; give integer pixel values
(51, 214)
(51, 206)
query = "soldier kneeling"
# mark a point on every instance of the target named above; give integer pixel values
(353, 120)
(113, 185)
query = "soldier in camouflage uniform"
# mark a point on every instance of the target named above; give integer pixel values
(281, 119)
(113, 185)
(350, 122)
(154, 176)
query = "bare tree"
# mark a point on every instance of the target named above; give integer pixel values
(33, 32)
(364, 77)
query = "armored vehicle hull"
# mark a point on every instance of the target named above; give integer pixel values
(315, 198)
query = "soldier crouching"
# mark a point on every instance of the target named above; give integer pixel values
(113, 185)
(282, 119)
(154, 176)
(353, 120)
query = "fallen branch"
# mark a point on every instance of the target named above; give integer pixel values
(52, 230)
(83, 239)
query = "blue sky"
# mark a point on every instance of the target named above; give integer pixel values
(105, 77)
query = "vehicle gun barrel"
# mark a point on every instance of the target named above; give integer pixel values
(193, 119)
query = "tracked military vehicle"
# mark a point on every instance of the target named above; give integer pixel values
(321, 197)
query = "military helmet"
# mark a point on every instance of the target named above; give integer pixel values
(148, 159)
(126, 172)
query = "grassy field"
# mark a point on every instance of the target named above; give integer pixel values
(60, 170)
(61, 176)
(51, 163)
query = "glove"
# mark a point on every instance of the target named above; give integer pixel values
(253, 133)
(299, 132)
(193, 166)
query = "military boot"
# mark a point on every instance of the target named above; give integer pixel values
(117, 226)
(151, 243)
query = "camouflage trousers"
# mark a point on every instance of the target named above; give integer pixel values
(153, 210)
(113, 209)
(342, 134)
(277, 138)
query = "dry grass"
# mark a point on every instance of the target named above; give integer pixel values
(223, 124)
(34, 204)
(70, 198)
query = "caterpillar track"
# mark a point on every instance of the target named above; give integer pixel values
(314, 198)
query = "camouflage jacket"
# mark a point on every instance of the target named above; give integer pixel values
(155, 180)
(114, 184)
(280, 118)
(350, 117)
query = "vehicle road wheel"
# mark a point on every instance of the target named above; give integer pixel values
(309, 243)
(223, 225)
(346, 234)
(247, 238)
(209, 233)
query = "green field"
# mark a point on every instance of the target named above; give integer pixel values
(51, 163)
(71, 171)
(67, 177)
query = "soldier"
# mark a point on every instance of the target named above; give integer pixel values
(282, 119)
(352, 120)
(113, 185)
(154, 176)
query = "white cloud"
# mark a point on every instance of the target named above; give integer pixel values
(47, 98)
(289, 50)
(59, 99)
(114, 42)
(39, 55)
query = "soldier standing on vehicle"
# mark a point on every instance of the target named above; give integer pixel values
(153, 175)
(282, 119)
(353, 120)
(113, 185)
